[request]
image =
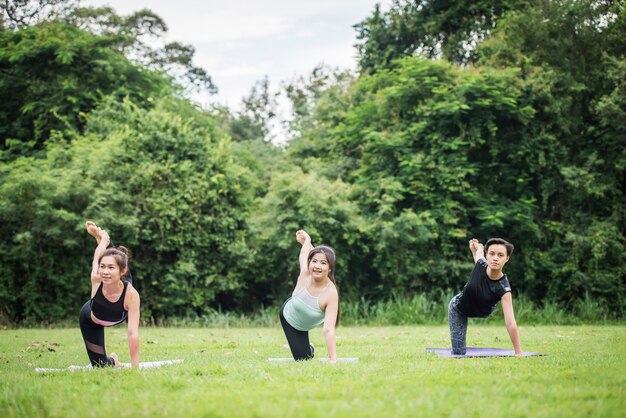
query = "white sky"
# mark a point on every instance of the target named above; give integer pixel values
(239, 42)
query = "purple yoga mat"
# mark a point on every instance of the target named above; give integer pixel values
(479, 352)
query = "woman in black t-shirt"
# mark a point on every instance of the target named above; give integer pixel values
(487, 285)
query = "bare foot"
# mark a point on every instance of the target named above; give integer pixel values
(93, 230)
(115, 360)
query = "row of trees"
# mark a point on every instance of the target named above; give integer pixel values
(491, 119)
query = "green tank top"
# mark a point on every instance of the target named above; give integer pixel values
(303, 310)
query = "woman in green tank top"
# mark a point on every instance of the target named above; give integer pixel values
(314, 301)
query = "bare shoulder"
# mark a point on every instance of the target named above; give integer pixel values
(132, 296)
(132, 291)
(332, 292)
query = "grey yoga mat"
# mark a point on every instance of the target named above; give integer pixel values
(479, 352)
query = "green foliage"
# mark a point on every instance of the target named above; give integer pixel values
(162, 181)
(298, 199)
(414, 143)
(396, 168)
(53, 74)
(449, 29)
(19, 13)
(139, 37)
(439, 153)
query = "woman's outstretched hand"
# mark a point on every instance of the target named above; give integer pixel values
(302, 236)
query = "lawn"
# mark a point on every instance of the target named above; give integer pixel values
(226, 374)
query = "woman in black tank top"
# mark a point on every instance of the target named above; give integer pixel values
(113, 300)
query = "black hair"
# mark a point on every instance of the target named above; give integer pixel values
(121, 256)
(509, 247)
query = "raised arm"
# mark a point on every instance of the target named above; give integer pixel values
(100, 249)
(133, 303)
(477, 249)
(304, 239)
(509, 321)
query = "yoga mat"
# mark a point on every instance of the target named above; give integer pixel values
(339, 360)
(479, 352)
(146, 365)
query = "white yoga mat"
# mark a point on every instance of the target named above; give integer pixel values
(290, 359)
(146, 365)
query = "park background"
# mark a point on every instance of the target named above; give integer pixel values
(464, 120)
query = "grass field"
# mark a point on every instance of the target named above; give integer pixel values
(226, 374)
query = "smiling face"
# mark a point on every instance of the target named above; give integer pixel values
(496, 257)
(319, 267)
(109, 270)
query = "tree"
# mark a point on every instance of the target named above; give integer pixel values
(255, 119)
(448, 29)
(137, 34)
(579, 46)
(54, 74)
(21, 13)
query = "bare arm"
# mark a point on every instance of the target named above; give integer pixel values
(477, 249)
(509, 321)
(100, 249)
(133, 303)
(304, 239)
(330, 321)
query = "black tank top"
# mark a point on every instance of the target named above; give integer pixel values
(109, 311)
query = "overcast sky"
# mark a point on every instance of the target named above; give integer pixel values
(239, 42)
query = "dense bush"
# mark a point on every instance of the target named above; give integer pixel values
(162, 181)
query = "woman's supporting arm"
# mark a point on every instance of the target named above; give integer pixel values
(330, 321)
(133, 325)
(509, 321)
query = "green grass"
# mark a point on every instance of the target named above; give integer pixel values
(226, 374)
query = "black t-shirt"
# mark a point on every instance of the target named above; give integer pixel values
(481, 294)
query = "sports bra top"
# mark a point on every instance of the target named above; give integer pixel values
(106, 312)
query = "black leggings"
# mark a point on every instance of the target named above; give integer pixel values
(299, 344)
(93, 335)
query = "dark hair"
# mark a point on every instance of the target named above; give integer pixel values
(491, 241)
(330, 256)
(120, 254)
